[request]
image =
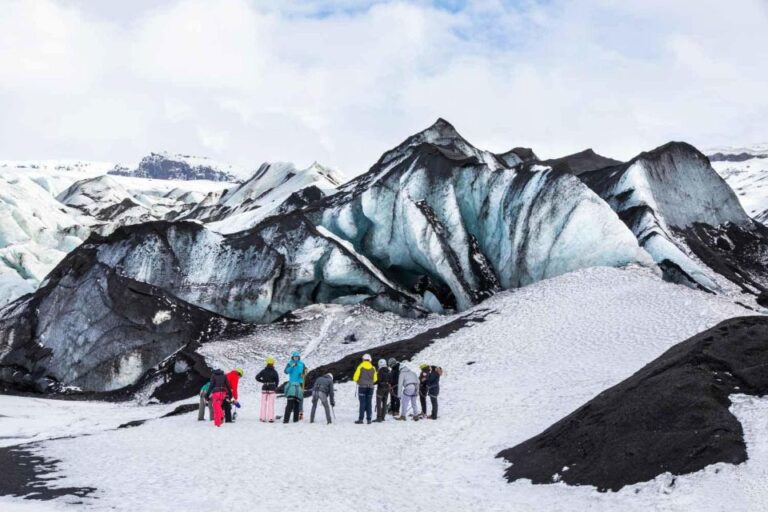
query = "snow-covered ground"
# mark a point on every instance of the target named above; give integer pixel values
(543, 351)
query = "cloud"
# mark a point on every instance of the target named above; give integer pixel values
(340, 82)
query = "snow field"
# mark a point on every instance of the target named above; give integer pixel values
(543, 351)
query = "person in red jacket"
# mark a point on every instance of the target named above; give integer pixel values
(233, 378)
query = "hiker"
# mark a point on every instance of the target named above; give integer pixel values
(423, 389)
(293, 395)
(204, 403)
(269, 381)
(433, 389)
(365, 377)
(383, 389)
(295, 369)
(323, 391)
(394, 378)
(218, 391)
(233, 378)
(408, 386)
(294, 388)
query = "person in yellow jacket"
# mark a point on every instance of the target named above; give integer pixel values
(366, 378)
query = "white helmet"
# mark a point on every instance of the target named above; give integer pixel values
(382, 363)
(367, 357)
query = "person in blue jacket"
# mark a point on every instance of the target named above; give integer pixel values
(294, 388)
(295, 369)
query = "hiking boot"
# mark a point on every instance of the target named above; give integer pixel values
(400, 418)
(369, 422)
(359, 422)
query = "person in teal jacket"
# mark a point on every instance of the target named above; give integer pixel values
(295, 369)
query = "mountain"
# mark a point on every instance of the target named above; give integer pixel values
(746, 171)
(263, 194)
(166, 166)
(687, 218)
(581, 162)
(36, 232)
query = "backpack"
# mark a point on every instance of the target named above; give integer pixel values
(439, 371)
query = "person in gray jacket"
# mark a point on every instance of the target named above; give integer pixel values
(323, 391)
(408, 386)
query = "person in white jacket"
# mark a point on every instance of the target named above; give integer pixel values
(408, 386)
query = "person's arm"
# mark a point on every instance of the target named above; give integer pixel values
(399, 384)
(333, 400)
(260, 376)
(210, 389)
(356, 376)
(375, 376)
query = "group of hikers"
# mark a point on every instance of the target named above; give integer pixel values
(398, 391)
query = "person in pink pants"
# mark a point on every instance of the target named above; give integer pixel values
(218, 391)
(269, 379)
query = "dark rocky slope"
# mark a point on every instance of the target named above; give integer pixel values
(671, 416)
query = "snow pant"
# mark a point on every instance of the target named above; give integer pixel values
(227, 405)
(433, 399)
(382, 395)
(218, 415)
(292, 406)
(323, 397)
(409, 402)
(365, 395)
(203, 404)
(423, 400)
(267, 410)
(394, 407)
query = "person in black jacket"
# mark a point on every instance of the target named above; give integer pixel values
(394, 378)
(423, 389)
(270, 380)
(383, 389)
(218, 391)
(433, 388)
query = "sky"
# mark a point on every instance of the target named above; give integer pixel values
(340, 82)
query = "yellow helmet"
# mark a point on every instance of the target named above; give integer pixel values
(240, 371)
(270, 360)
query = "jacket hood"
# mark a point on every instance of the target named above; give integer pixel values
(295, 353)
(218, 371)
(404, 368)
(367, 365)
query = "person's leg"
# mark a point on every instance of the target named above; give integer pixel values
(369, 404)
(423, 401)
(326, 406)
(271, 406)
(288, 409)
(201, 408)
(227, 411)
(416, 408)
(433, 399)
(314, 408)
(263, 407)
(384, 397)
(403, 406)
(395, 404)
(296, 409)
(218, 414)
(361, 399)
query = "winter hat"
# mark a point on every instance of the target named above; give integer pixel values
(392, 361)
(270, 360)
(382, 363)
(240, 371)
(367, 357)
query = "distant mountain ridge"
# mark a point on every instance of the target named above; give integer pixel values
(165, 166)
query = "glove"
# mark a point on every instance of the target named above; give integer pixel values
(237, 404)
(333, 404)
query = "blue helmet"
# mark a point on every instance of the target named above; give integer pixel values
(295, 354)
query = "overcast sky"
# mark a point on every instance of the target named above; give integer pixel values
(341, 81)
